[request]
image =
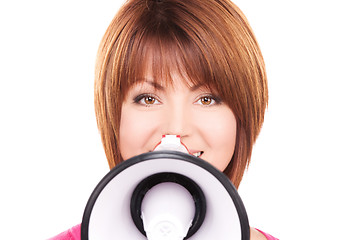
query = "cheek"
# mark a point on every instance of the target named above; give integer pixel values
(136, 133)
(220, 135)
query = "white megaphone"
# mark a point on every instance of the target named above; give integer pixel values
(165, 195)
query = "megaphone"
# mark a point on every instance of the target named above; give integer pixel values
(165, 195)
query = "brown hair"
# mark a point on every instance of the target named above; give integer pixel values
(210, 42)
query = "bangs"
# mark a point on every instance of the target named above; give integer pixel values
(162, 54)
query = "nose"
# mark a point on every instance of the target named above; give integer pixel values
(177, 121)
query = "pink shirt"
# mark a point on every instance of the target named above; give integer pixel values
(74, 233)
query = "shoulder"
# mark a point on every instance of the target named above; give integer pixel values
(73, 233)
(259, 235)
(256, 235)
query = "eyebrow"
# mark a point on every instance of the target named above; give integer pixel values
(154, 84)
(195, 87)
(159, 87)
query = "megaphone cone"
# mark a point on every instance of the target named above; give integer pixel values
(131, 201)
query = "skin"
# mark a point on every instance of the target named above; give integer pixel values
(206, 125)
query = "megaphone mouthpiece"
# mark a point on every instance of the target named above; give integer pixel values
(171, 143)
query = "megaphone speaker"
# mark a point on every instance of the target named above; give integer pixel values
(165, 195)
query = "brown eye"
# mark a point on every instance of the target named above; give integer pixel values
(206, 100)
(149, 100)
(146, 100)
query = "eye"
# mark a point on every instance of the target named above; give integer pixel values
(208, 100)
(149, 100)
(146, 99)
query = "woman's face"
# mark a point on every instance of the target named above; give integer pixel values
(206, 125)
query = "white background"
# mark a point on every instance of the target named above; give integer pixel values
(303, 181)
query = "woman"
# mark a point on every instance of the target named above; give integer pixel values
(183, 67)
